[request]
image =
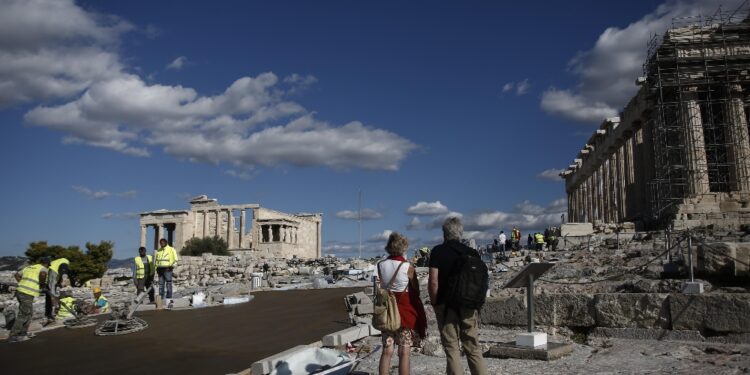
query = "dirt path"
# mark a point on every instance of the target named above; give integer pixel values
(214, 340)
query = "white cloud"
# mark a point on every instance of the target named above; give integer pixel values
(427, 209)
(383, 236)
(56, 50)
(299, 82)
(550, 174)
(52, 49)
(508, 86)
(437, 221)
(521, 87)
(414, 224)
(101, 194)
(177, 63)
(526, 216)
(121, 216)
(367, 214)
(607, 72)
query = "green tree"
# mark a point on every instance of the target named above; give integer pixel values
(197, 246)
(84, 265)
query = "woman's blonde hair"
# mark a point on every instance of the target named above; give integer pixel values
(397, 244)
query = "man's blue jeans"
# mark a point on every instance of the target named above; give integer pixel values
(165, 278)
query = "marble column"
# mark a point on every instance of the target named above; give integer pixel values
(177, 237)
(738, 150)
(143, 236)
(205, 223)
(157, 236)
(217, 229)
(243, 223)
(695, 145)
(230, 230)
(621, 184)
(628, 177)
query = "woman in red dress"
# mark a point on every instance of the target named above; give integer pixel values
(405, 287)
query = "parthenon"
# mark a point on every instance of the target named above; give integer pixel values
(678, 154)
(270, 233)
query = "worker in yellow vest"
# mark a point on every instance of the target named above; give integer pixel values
(101, 305)
(67, 306)
(539, 241)
(30, 281)
(166, 258)
(143, 275)
(57, 268)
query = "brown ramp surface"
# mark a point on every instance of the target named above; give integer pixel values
(215, 340)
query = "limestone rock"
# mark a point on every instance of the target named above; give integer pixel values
(711, 312)
(504, 311)
(632, 310)
(575, 310)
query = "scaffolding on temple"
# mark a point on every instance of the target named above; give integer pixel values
(697, 77)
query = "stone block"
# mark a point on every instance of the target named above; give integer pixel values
(346, 335)
(711, 312)
(576, 229)
(266, 365)
(551, 352)
(693, 288)
(632, 310)
(716, 259)
(504, 311)
(365, 308)
(531, 339)
(572, 310)
(646, 334)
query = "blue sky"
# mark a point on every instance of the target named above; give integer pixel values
(429, 108)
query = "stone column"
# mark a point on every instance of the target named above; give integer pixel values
(143, 236)
(217, 229)
(157, 236)
(230, 230)
(615, 183)
(205, 223)
(738, 150)
(695, 145)
(177, 237)
(628, 177)
(242, 228)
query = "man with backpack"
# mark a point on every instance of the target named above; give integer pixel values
(457, 286)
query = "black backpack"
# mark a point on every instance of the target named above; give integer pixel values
(469, 281)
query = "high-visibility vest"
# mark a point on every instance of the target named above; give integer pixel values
(102, 307)
(140, 268)
(166, 257)
(29, 283)
(64, 313)
(55, 264)
(539, 238)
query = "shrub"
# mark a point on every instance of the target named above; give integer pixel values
(84, 266)
(197, 246)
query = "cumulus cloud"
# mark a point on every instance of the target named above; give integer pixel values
(101, 194)
(526, 216)
(52, 49)
(427, 209)
(606, 73)
(383, 236)
(521, 87)
(177, 63)
(414, 224)
(550, 174)
(367, 214)
(121, 216)
(251, 123)
(297, 82)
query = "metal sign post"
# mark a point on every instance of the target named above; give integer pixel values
(526, 278)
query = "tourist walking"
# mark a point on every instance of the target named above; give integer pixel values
(529, 242)
(396, 274)
(57, 268)
(501, 239)
(454, 323)
(30, 279)
(144, 273)
(166, 257)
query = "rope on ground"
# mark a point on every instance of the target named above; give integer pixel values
(711, 249)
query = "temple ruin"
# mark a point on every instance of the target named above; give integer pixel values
(678, 153)
(245, 227)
